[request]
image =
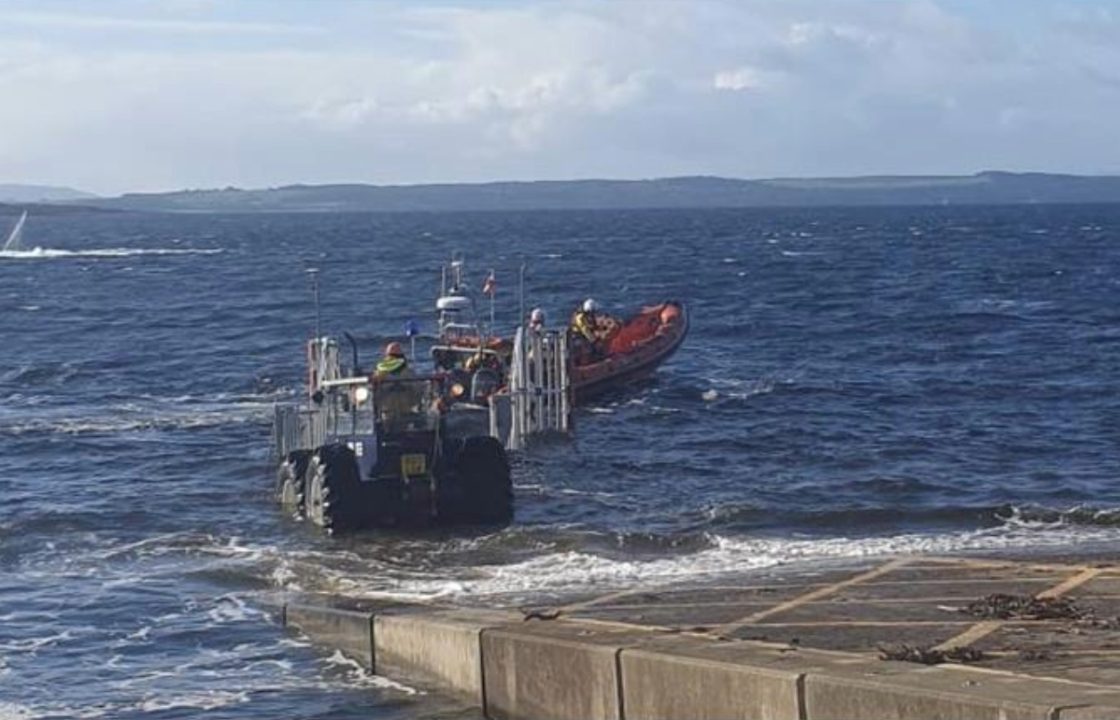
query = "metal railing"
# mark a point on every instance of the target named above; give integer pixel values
(538, 399)
(304, 425)
(539, 386)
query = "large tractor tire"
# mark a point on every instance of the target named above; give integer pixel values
(333, 498)
(290, 479)
(483, 488)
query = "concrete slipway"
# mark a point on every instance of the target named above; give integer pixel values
(796, 647)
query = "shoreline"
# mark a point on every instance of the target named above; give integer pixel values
(806, 643)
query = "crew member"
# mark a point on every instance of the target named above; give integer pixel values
(587, 343)
(536, 320)
(586, 321)
(394, 363)
(396, 400)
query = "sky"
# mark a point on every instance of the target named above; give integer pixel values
(112, 96)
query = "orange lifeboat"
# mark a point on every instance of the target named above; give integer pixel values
(633, 351)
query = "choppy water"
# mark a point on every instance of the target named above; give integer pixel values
(857, 382)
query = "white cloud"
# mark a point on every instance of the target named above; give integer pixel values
(341, 113)
(109, 22)
(382, 92)
(743, 78)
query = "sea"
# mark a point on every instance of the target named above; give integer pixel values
(857, 383)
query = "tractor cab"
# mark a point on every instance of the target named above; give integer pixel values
(390, 424)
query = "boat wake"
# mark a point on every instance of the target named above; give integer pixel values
(40, 253)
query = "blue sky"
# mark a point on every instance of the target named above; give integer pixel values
(117, 95)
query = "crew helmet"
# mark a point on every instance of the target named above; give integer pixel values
(589, 305)
(394, 349)
(536, 317)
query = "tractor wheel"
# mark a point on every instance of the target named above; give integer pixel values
(482, 469)
(331, 500)
(290, 479)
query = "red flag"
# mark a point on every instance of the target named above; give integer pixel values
(490, 286)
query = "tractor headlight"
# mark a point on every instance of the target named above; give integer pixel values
(361, 394)
(457, 390)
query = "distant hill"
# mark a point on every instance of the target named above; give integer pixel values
(40, 194)
(681, 192)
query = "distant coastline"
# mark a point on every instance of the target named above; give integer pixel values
(985, 188)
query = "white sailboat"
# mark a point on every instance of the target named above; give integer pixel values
(12, 243)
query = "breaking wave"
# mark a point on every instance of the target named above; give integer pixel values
(569, 571)
(524, 564)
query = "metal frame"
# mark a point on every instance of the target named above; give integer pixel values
(539, 386)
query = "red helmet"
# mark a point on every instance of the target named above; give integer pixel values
(394, 349)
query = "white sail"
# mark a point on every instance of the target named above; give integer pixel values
(12, 242)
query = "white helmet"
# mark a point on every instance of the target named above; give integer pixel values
(536, 317)
(589, 305)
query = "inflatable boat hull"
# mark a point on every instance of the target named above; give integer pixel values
(642, 344)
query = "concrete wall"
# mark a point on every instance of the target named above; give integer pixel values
(661, 685)
(443, 649)
(347, 630)
(560, 669)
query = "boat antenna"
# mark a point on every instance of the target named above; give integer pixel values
(521, 291)
(313, 274)
(490, 288)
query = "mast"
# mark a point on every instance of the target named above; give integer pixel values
(12, 242)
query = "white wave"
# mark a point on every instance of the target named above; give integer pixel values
(11, 711)
(583, 493)
(568, 571)
(131, 417)
(740, 389)
(53, 711)
(230, 608)
(41, 253)
(1004, 305)
(209, 679)
(28, 616)
(149, 546)
(208, 700)
(33, 645)
(284, 666)
(358, 675)
(544, 491)
(284, 576)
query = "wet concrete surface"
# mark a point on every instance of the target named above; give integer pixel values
(918, 601)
